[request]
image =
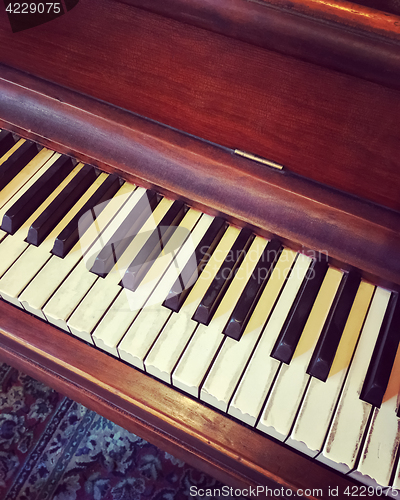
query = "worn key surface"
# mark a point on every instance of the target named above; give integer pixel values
(328, 342)
(222, 280)
(37, 193)
(124, 234)
(61, 205)
(298, 315)
(249, 298)
(69, 236)
(382, 360)
(17, 161)
(204, 249)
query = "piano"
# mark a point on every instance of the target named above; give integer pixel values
(265, 132)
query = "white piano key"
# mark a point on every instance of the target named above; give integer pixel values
(65, 300)
(343, 440)
(146, 326)
(34, 258)
(13, 246)
(316, 411)
(123, 311)
(104, 291)
(250, 395)
(47, 281)
(105, 219)
(108, 292)
(174, 336)
(16, 187)
(287, 391)
(97, 300)
(23, 177)
(206, 340)
(80, 280)
(232, 358)
(378, 455)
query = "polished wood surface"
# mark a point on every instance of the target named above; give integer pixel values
(305, 83)
(304, 214)
(319, 121)
(311, 30)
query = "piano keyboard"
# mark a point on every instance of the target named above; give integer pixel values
(300, 350)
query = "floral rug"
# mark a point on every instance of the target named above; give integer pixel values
(54, 448)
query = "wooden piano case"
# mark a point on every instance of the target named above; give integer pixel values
(162, 93)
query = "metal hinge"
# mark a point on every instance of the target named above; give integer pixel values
(258, 159)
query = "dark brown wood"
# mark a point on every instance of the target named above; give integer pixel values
(305, 29)
(217, 444)
(335, 128)
(304, 214)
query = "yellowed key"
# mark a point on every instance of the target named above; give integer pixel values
(203, 346)
(50, 277)
(104, 291)
(177, 331)
(309, 432)
(232, 358)
(287, 391)
(117, 320)
(343, 440)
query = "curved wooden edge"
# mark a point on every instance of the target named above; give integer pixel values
(345, 13)
(306, 215)
(191, 431)
(301, 212)
(343, 36)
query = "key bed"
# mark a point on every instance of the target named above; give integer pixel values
(243, 377)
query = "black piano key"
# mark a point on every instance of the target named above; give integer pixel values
(61, 205)
(30, 201)
(325, 350)
(120, 240)
(223, 278)
(382, 359)
(153, 246)
(6, 142)
(252, 291)
(294, 324)
(17, 161)
(69, 236)
(182, 286)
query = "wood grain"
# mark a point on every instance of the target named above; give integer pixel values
(311, 30)
(328, 126)
(304, 214)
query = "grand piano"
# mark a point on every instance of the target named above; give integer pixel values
(269, 125)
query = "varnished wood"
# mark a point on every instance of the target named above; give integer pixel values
(304, 214)
(335, 128)
(217, 444)
(311, 30)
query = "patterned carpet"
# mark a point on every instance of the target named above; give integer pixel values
(54, 448)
